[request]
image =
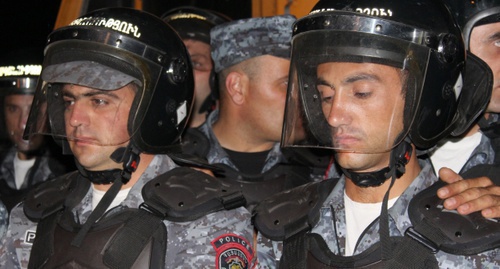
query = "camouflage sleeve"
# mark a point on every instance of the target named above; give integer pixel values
(268, 252)
(16, 245)
(4, 219)
(223, 239)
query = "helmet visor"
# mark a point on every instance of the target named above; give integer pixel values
(89, 100)
(352, 91)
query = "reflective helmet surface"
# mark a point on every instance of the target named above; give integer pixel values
(106, 49)
(19, 71)
(426, 51)
(194, 23)
(472, 13)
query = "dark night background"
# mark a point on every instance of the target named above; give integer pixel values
(26, 24)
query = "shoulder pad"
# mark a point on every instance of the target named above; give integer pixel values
(450, 231)
(194, 142)
(185, 194)
(287, 213)
(51, 196)
(258, 187)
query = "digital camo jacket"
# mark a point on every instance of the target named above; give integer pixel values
(211, 241)
(482, 154)
(4, 219)
(331, 225)
(45, 168)
(216, 153)
(268, 251)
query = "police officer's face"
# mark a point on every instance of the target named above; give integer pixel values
(202, 65)
(96, 123)
(17, 108)
(485, 43)
(267, 97)
(364, 105)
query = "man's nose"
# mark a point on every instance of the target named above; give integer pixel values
(77, 115)
(338, 113)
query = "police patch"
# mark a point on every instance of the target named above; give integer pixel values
(29, 237)
(233, 252)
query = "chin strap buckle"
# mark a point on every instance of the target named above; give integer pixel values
(130, 163)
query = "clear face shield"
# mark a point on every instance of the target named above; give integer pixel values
(352, 91)
(89, 102)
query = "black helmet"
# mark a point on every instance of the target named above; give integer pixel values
(194, 23)
(122, 45)
(19, 71)
(470, 14)
(427, 50)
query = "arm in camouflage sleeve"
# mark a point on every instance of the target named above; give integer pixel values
(216, 240)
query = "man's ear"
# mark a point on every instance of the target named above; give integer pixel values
(236, 84)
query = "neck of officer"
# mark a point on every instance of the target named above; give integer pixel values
(235, 132)
(376, 194)
(143, 165)
(25, 156)
(474, 129)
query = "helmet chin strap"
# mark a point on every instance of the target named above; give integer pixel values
(400, 156)
(130, 158)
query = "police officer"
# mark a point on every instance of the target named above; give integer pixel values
(24, 163)
(480, 24)
(251, 59)
(241, 137)
(116, 91)
(193, 25)
(374, 82)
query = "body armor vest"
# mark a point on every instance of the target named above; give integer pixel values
(297, 169)
(433, 229)
(127, 238)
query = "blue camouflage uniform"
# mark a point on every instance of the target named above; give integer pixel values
(482, 154)
(266, 248)
(194, 244)
(217, 154)
(233, 43)
(45, 168)
(335, 236)
(4, 219)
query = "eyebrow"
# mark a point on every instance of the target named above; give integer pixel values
(91, 93)
(350, 79)
(494, 36)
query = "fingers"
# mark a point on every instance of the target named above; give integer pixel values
(457, 186)
(492, 212)
(206, 171)
(475, 199)
(449, 176)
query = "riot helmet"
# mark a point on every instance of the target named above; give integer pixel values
(19, 71)
(470, 13)
(106, 50)
(485, 15)
(425, 53)
(19, 78)
(194, 23)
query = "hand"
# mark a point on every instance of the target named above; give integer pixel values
(469, 195)
(206, 171)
